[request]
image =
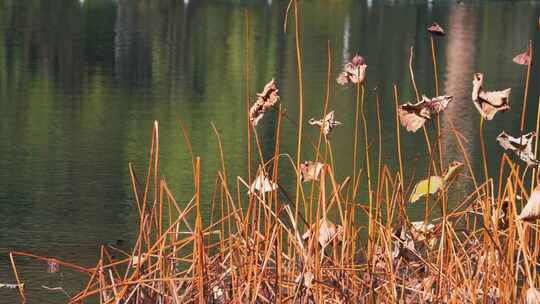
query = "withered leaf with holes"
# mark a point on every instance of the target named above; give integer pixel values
(489, 103)
(422, 231)
(531, 211)
(436, 29)
(413, 116)
(521, 146)
(533, 296)
(262, 184)
(328, 231)
(265, 100)
(354, 71)
(310, 170)
(326, 124)
(522, 59)
(13, 286)
(52, 266)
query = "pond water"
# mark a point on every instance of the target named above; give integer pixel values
(81, 83)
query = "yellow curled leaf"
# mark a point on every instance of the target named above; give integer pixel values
(425, 187)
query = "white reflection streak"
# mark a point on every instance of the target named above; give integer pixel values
(346, 38)
(460, 54)
(369, 3)
(118, 39)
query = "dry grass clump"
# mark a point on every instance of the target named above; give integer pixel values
(258, 251)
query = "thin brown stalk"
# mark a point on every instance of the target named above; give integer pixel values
(435, 69)
(20, 286)
(483, 147)
(534, 171)
(398, 137)
(526, 90)
(300, 100)
(412, 73)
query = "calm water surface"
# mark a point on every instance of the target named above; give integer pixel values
(82, 82)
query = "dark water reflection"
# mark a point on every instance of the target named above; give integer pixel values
(82, 82)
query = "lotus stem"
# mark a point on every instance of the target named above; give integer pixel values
(368, 169)
(411, 50)
(526, 90)
(398, 137)
(247, 85)
(534, 171)
(435, 70)
(359, 96)
(483, 147)
(301, 101)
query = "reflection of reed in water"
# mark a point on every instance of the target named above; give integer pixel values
(346, 38)
(460, 53)
(131, 52)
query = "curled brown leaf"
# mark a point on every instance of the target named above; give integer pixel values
(265, 100)
(436, 29)
(354, 71)
(522, 58)
(489, 103)
(326, 124)
(413, 116)
(521, 146)
(310, 170)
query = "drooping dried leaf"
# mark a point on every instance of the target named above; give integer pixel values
(421, 230)
(427, 285)
(262, 184)
(531, 211)
(413, 116)
(256, 113)
(217, 293)
(436, 29)
(358, 61)
(265, 100)
(343, 78)
(354, 71)
(533, 296)
(52, 266)
(327, 124)
(327, 232)
(491, 295)
(521, 146)
(439, 103)
(420, 226)
(493, 102)
(489, 103)
(310, 170)
(308, 279)
(522, 58)
(452, 170)
(137, 260)
(404, 244)
(269, 94)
